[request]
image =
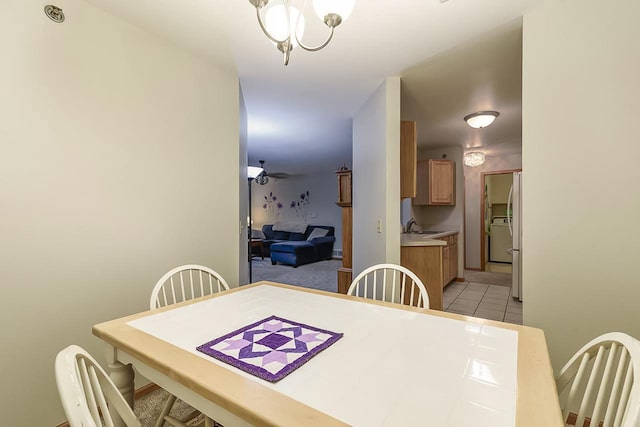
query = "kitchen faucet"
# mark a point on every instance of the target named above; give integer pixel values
(410, 224)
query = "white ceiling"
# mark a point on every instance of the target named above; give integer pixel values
(482, 74)
(300, 115)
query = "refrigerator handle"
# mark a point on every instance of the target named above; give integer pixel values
(509, 216)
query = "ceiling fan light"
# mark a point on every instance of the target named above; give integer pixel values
(275, 20)
(481, 119)
(343, 8)
(473, 158)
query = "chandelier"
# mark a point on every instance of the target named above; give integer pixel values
(473, 158)
(283, 23)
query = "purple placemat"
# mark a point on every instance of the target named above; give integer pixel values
(271, 348)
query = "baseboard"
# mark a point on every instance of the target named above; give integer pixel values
(142, 391)
(473, 269)
(460, 279)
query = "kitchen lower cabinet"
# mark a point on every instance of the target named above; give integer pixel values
(436, 266)
(426, 263)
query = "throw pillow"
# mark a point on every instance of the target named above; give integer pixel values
(317, 232)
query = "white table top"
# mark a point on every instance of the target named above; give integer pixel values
(393, 367)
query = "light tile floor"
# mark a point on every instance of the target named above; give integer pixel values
(492, 302)
(498, 267)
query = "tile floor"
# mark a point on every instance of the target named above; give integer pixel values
(498, 267)
(492, 302)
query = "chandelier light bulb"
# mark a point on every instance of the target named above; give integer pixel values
(279, 26)
(283, 24)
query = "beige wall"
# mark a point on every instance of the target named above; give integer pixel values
(119, 161)
(376, 178)
(501, 158)
(243, 193)
(580, 153)
(322, 210)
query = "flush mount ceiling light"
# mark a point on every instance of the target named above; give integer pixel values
(283, 23)
(481, 119)
(473, 158)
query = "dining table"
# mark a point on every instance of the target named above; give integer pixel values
(270, 354)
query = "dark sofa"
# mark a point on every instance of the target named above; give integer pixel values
(294, 248)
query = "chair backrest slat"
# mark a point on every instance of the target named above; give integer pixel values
(88, 395)
(418, 293)
(88, 389)
(612, 406)
(393, 287)
(606, 377)
(624, 396)
(597, 386)
(587, 398)
(189, 290)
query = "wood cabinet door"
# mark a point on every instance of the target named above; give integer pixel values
(446, 268)
(453, 261)
(422, 185)
(408, 158)
(442, 182)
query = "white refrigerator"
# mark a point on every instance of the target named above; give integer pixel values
(514, 216)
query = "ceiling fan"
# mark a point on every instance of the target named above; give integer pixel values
(263, 178)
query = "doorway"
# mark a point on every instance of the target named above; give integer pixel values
(495, 238)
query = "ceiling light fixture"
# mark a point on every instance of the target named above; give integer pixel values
(481, 119)
(283, 24)
(473, 158)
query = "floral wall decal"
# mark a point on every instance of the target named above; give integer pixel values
(302, 206)
(272, 206)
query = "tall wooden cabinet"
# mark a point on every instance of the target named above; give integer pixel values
(408, 159)
(436, 184)
(344, 201)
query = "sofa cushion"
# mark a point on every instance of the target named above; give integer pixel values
(317, 232)
(280, 235)
(291, 247)
(296, 237)
(291, 227)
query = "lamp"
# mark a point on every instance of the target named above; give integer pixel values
(252, 173)
(473, 158)
(481, 119)
(283, 24)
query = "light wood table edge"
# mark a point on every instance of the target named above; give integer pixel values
(269, 405)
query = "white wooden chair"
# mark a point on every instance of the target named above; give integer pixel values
(183, 284)
(391, 283)
(85, 391)
(598, 385)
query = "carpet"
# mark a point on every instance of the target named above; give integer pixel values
(148, 408)
(321, 275)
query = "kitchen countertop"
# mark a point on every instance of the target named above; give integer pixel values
(414, 239)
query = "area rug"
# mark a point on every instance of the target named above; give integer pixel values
(148, 408)
(321, 275)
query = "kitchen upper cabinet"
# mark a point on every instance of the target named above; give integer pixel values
(408, 159)
(436, 183)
